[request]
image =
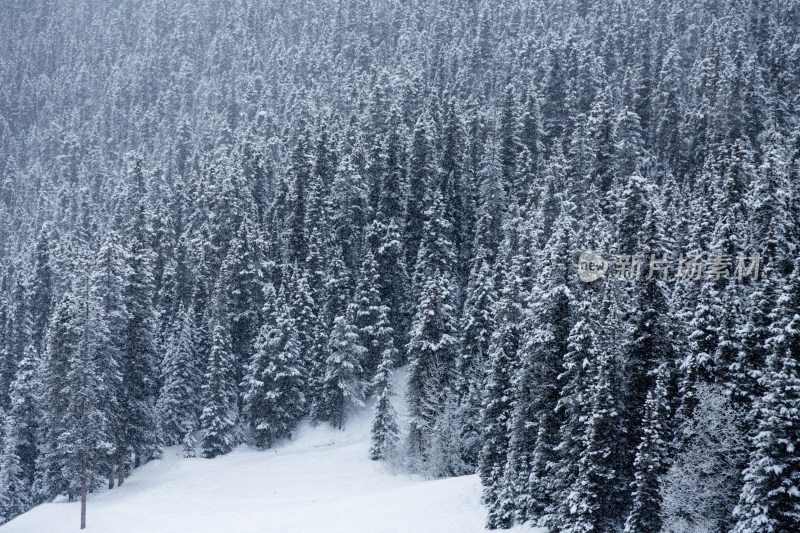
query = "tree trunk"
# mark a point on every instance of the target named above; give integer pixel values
(121, 468)
(94, 469)
(110, 477)
(137, 459)
(121, 473)
(83, 493)
(84, 466)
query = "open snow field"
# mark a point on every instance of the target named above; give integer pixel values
(321, 482)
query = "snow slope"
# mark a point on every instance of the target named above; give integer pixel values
(322, 481)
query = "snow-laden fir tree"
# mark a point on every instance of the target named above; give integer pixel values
(83, 444)
(19, 441)
(770, 497)
(370, 316)
(384, 432)
(498, 395)
(219, 414)
(477, 324)
(241, 276)
(431, 353)
(274, 398)
(108, 279)
(140, 358)
(14, 497)
(651, 459)
(310, 330)
(62, 340)
(189, 444)
(342, 388)
(181, 380)
(591, 502)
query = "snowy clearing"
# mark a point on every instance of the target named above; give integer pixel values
(321, 481)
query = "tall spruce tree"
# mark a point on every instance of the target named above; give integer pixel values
(220, 412)
(384, 430)
(342, 387)
(275, 383)
(181, 378)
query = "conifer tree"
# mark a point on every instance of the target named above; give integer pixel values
(431, 354)
(275, 383)
(14, 498)
(139, 364)
(62, 340)
(42, 287)
(421, 174)
(84, 437)
(477, 325)
(307, 317)
(591, 499)
(370, 316)
(770, 497)
(108, 279)
(219, 415)
(497, 402)
(342, 388)
(181, 378)
(241, 275)
(19, 445)
(651, 460)
(384, 431)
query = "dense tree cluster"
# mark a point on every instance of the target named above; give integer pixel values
(218, 218)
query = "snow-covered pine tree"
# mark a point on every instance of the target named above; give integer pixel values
(548, 322)
(310, 330)
(384, 430)
(181, 377)
(342, 388)
(435, 249)
(498, 396)
(84, 439)
(219, 415)
(139, 365)
(62, 340)
(275, 383)
(108, 279)
(575, 404)
(241, 276)
(770, 497)
(591, 503)
(477, 325)
(651, 459)
(19, 441)
(42, 287)
(189, 444)
(14, 497)
(431, 353)
(338, 287)
(421, 180)
(370, 316)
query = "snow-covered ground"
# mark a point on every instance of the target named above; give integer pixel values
(320, 482)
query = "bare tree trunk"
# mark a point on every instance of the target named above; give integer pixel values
(110, 477)
(121, 468)
(94, 469)
(137, 459)
(121, 473)
(84, 466)
(83, 493)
